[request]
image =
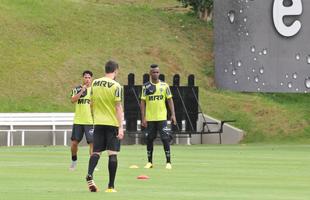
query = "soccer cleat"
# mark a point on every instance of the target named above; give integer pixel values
(168, 166)
(91, 184)
(110, 190)
(148, 165)
(73, 166)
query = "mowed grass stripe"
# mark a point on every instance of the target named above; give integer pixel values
(199, 172)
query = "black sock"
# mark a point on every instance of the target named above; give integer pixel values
(74, 158)
(93, 160)
(149, 149)
(167, 150)
(112, 170)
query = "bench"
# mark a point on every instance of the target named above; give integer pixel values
(12, 123)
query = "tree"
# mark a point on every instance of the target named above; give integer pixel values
(202, 8)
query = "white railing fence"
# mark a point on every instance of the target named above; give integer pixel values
(12, 124)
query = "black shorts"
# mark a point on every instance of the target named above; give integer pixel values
(157, 126)
(78, 131)
(105, 138)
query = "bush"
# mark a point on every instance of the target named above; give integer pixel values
(202, 8)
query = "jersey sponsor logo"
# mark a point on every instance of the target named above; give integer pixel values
(156, 97)
(103, 84)
(83, 101)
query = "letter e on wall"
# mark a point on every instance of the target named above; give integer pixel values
(280, 11)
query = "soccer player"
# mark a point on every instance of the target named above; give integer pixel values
(154, 114)
(83, 120)
(108, 120)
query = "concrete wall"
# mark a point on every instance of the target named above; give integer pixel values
(253, 51)
(230, 135)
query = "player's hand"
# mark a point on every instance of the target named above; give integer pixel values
(120, 134)
(173, 120)
(84, 87)
(144, 123)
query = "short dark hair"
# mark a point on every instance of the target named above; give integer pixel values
(87, 72)
(153, 66)
(111, 66)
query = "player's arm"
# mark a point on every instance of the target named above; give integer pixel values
(76, 97)
(91, 109)
(142, 108)
(119, 111)
(91, 104)
(171, 107)
(119, 116)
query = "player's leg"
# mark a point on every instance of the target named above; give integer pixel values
(91, 146)
(89, 133)
(112, 166)
(99, 145)
(113, 147)
(76, 137)
(165, 138)
(151, 132)
(93, 160)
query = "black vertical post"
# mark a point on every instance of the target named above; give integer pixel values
(131, 79)
(131, 105)
(191, 80)
(191, 103)
(162, 77)
(146, 78)
(176, 80)
(177, 102)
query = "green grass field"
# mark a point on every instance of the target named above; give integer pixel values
(255, 172)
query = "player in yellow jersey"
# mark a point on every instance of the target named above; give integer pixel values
(154, 114)
(108, 120)
(83, 121)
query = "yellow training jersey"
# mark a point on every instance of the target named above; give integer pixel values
(82, 107)
(105, 94)
(155, 100)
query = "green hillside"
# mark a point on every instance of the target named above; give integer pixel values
(46, 44)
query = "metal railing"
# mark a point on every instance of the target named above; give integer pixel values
(10, 135)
